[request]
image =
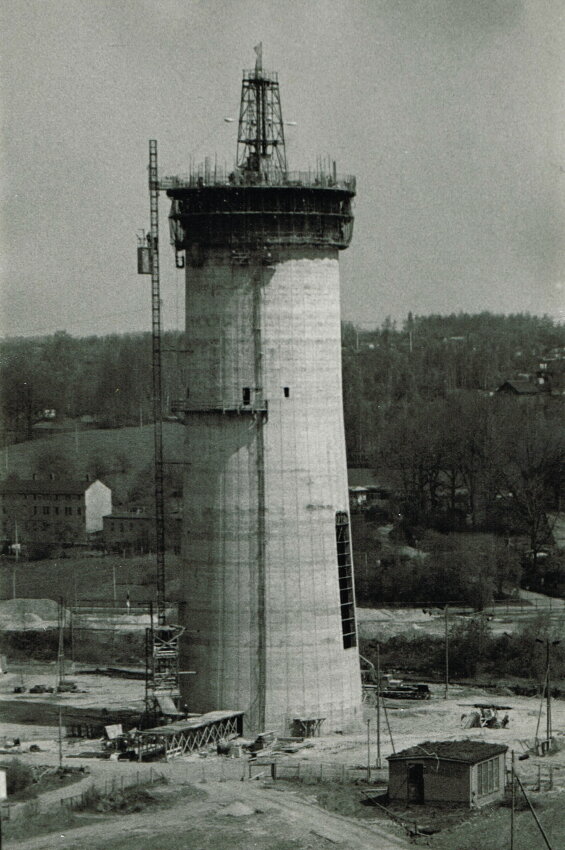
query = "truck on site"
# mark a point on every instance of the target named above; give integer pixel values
(390, 687)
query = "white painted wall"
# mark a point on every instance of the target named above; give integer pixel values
(98, 503)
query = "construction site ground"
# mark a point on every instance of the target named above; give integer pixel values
(207, 804)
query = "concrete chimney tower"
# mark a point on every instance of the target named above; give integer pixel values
(269, 605)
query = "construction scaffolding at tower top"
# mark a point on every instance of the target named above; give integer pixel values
(244, 207)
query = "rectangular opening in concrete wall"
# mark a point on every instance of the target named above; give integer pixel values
(345, 574)
(287, 392)
(246, 394)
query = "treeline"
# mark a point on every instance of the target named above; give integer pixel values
(107, 378)
(419, 410)
(428, 357)
(474, 651)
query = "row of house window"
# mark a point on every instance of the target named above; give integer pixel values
(51, 497)
(122, 528)
(488, 776)
(68, 511)
(7, 528)
(46, 510)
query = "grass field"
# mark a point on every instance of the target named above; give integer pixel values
(87, 580)
(135, 444)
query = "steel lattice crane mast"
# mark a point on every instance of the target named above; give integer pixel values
(162, 639)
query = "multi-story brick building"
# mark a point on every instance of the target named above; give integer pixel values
(134, 532)
(52, 511)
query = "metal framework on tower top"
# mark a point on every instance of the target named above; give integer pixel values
(260, 141)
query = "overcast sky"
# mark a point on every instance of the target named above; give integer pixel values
(450, 113)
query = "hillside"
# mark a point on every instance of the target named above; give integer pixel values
(117, 456)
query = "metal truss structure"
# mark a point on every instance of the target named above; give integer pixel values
(185, 736)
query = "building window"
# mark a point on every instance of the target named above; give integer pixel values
(68, 511)
(79, 511)
(56, 510)
(246, 395)
(35, 509)
(68, 498)
(345, 575)
(286, 392)
(111, 526)
(45, 509)
(488, 776)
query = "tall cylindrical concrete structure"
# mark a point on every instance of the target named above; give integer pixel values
(267, 567)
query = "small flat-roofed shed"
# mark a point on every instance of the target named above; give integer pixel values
(185, 736)
(471, 773)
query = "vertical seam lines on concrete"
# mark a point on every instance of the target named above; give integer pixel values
(292, 272)
(312, 529)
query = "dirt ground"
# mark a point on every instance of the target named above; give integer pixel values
(241, 813)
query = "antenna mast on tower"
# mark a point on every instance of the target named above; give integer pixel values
(260, 140)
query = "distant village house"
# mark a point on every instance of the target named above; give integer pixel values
(51, 511)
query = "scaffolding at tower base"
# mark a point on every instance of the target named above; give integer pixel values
(185, 736)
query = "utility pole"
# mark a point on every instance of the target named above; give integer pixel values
(379, 763)
(513, 804)
(368, 750)
(60, 740)
(446, 651)
(548, 644)
(61, 647)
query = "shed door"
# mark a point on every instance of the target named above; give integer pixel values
(415, 783)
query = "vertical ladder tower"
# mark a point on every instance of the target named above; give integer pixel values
(269, 603)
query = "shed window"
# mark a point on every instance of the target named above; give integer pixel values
(345, 577)
(488, 776)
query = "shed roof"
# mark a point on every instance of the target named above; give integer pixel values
(469, 752)
(518, 387)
